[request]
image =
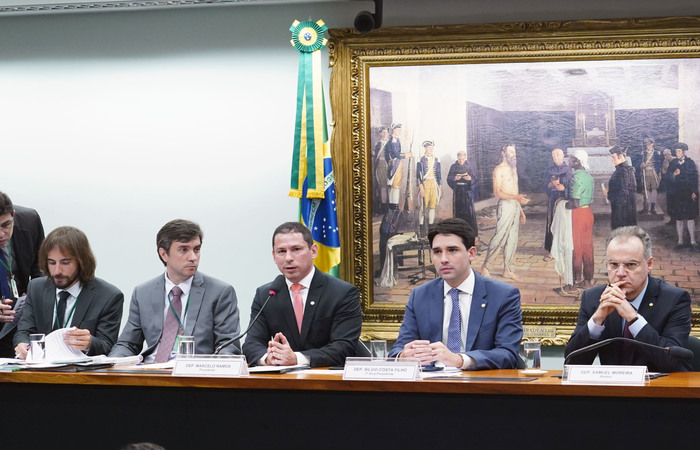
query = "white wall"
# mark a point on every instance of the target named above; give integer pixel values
(117, 122)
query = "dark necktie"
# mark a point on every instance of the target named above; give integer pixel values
(4, 276)
(61, 310)
(170, 327)
(627, 356)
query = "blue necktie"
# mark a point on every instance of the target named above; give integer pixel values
(454, 330)
(4, 279)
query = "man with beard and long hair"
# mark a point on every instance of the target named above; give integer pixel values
(510, 213)
(70, 296)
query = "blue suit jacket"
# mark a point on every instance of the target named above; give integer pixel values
(495, 321)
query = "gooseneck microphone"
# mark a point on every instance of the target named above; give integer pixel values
(274, 290)
(673, 351)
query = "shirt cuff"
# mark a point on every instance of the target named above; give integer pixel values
(637, 326)
(467, 362)
(302, 359)
(261, 361)
(595, 331)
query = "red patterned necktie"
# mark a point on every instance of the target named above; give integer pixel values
(171, 327)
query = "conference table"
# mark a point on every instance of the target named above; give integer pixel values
(318, 409)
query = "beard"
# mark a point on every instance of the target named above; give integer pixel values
(512, 161)
(63, 282)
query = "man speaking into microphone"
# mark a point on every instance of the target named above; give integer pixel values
(314, 319)
(634, 305)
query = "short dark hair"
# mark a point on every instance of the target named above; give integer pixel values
(293, 227)
(6, 206)
(177, 230)
(630, 232)
(72, 241)
(455, 226)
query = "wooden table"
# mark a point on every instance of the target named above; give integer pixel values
(108, 410)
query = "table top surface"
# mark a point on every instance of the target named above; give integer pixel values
(489, 382)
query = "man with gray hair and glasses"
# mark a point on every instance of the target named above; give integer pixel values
(634, 305)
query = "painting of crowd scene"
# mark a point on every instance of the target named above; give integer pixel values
(542, 160)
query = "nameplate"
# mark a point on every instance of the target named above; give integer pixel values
(539, 331)
(615, 375)
(211, 366)
(369, 369)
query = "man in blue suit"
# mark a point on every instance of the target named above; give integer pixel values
(461, 319)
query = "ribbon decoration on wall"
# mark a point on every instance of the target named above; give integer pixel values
(312, 169)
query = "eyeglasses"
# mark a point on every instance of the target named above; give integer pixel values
(629, 266)
(7, 226)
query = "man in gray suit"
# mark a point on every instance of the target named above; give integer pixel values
(70, 296)
(183, 301)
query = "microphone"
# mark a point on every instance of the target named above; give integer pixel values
(673, 351)
(274, 290)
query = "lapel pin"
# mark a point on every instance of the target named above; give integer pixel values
(651, 304)
(483, 305)
(312, 303)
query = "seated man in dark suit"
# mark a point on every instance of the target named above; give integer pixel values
(634, 305)
(314, 319)
(461, 319)
(182, 301)
(21, 234)
(70, 296)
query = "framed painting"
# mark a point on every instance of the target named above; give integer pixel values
(424, 116)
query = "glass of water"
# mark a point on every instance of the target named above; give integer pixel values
(532, 356)
(36, 347)
(185, 347)
(378, 349)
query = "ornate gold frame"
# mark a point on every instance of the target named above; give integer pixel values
(351, 56)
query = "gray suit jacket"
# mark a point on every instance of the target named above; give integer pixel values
(212, 317)
(98, 309)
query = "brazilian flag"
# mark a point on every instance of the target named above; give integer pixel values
(312, 169)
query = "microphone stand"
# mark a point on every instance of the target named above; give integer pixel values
(225, 344)
(674, 351)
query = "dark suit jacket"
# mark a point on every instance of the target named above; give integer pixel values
(667, 311)
(27, 236)
(495, 326)
(330, 328)
(98, 309)
(212, 316)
